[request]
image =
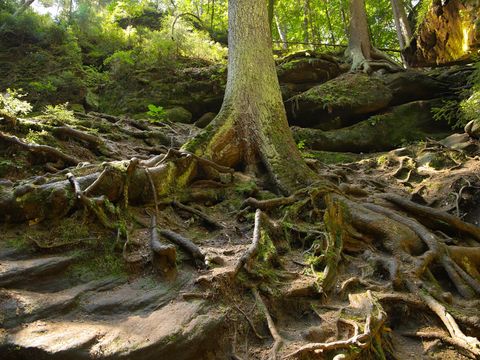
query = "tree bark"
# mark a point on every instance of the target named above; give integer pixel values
(359, 45)
(271, 7)
(362, 54)
(251, 130)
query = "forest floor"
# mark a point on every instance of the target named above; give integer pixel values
(73, 289)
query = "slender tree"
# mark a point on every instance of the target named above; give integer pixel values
(402, 25)
(360, 50)
(281, 32)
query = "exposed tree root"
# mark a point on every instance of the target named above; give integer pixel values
(375, 317)
(253, 249)
(208, 220)
(94, 142)
(432, 335)
(278, 340)
(164, 256)
(426, 213)
(469, 343)
(187, 245)
(50, 152)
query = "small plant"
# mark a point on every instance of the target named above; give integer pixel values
(39, 137)
(59, 114)
(156, 113)
(301, 145)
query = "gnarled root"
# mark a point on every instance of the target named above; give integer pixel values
(271, 326)
(468, 343)
(262, 238)
(23, 202)
(164, 256)
(50, 152)
(400, 236)
(366, 306)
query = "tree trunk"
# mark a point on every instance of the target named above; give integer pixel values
(306, 36)
(359, 45)
(212, 17)
(404, 31)
(329, 23)
(360, 50)
(251, 130)
(271, 7)
(281, 33)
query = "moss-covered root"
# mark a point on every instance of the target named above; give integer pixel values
(27, 201)
(278, 340)
(368, 337)
(262, 248)
(401, 239)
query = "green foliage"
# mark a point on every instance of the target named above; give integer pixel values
(40, 137)
(448, 112)
(59, 114)
(470, 106)
(301, 145)
(11, 103)
(156, 113)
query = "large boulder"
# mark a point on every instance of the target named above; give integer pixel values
(353, 97)
(301, 72)
(308, 70)
(399, 125)
(179, 114)
(205, 119)
(339, 102)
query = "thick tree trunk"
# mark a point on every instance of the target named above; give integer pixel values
(404, 31)
(251, 130)
(271, 7)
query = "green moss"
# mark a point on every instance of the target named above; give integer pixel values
(194, 144)
(247, 188)
(99, 260)
(349, 90)
(383, 160)
(20, 242)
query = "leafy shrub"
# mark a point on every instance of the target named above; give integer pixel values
(156, 113)
(449, 112)
(59, 114)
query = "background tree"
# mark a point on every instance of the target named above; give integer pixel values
(360, 50)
